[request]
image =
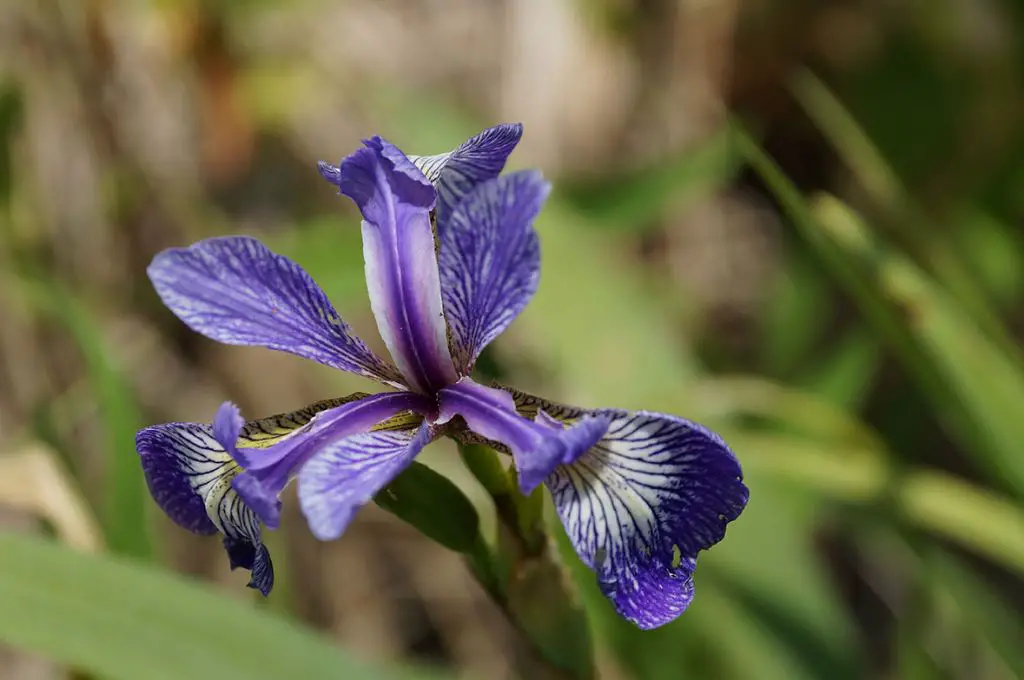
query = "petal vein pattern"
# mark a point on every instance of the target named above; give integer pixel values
(189, 475)
(536, 447)
(347, 475)
(401, 266)
(236, 291)
(478, 159)
(642, 503)
(489, 261)
(268, 470)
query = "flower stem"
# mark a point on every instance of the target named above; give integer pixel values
(526, 578)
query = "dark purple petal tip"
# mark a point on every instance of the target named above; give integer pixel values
(165, 452)
(370, 175)
(190, 475)
(653, 493)
(256, 558)
(654, 594)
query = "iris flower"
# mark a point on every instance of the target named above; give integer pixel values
(451, 259)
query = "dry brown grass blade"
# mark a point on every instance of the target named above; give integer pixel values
(32, 480)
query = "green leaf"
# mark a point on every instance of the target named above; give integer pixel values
(726, 633)
(482, 461)
(11, 112)
(542, 602)
(885, 188)
(845, 376)
(970, 515)
(872, 307)
(791, 594)
(974, 517)
(124, 512)
(971, 383)
(434, 505)
(632, 200)
(125, 621)
(994, 252)
(721, 399)
(979, 380)
(981, 606)
(596, 322)
(792, 317)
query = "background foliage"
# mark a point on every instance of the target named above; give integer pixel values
(795, 221)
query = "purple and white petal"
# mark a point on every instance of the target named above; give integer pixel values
(189, 475)
(179, 460)
(401, 266)
(490, 261)
(458, 172)
(537, 447)
(237, 291)
(242, 536)
(268, 469)
(656, 593)
(349, 473)
(642, 503)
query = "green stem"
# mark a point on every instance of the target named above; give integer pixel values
(526, 578)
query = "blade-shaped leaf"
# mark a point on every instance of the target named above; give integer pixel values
(982, 382)
(124, 515)
(886, 190)
(124, 621)
(433, 504)
(972, 384)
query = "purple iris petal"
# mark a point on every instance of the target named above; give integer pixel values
(267, 470)
(256, 558)
(653, 593)
(177, 460)
(236, 291)
(189, 475)
(651, 494)
(350, 472)
(490, 261)
(478, 159)
(401, 267)
(536, 448)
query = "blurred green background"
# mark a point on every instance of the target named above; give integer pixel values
(795, 221)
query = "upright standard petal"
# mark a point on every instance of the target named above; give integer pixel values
(269, 468)
(458, 172)
(537, 447)
(490, 261)
(189, 475)
(642, 502)
(401, 266)
(236, 291)
(349, 473)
